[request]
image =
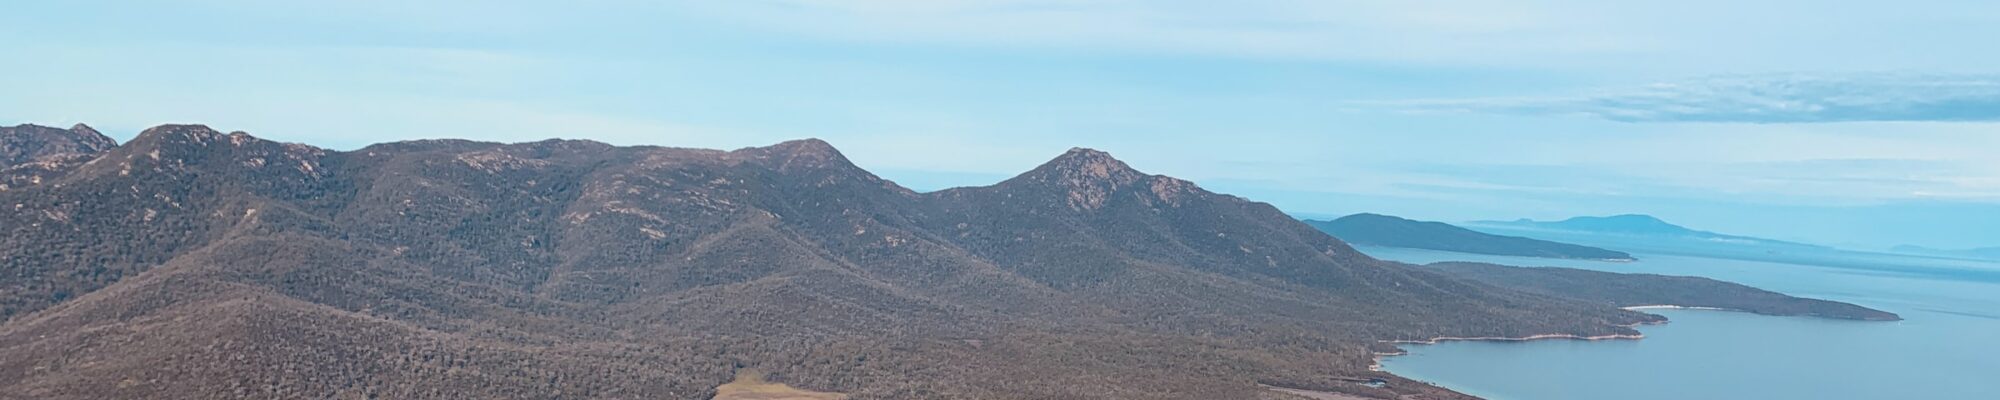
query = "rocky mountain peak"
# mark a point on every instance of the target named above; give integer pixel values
(1085, 167)
(189, 133)
(27, 142)
(1088, 178)
(813, 146)
(809, 152)
(86, 130)
(1093, 162)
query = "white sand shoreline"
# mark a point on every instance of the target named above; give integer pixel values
(1674, 307)
(1377, 364)
(1312, 394)
(1436, 340)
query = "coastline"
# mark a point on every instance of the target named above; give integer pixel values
(1548, 336)
(1377, 363)
(1312, 394)
(1674, 307)
(1436, 340)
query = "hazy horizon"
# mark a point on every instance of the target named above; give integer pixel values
(1772, 119)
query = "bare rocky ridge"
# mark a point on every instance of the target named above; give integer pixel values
(26, 142)
(191, 263)
(30, 154)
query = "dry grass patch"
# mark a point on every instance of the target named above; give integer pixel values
(750, 385)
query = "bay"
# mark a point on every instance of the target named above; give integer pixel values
(1948, 346)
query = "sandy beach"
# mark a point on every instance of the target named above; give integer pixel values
(1377, 365)
(1674, 307)
(1313, 394)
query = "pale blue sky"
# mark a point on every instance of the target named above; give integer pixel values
(1856, 123)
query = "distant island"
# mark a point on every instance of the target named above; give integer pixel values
(1392, 231)
(1982, 253)
(1643, 233)
(1635, 225)
(1641, 290)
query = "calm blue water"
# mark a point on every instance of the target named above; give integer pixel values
(1948, 346)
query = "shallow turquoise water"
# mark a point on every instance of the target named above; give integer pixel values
(1948, 346)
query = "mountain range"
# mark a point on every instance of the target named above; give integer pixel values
(1390, 231)
(193, 263)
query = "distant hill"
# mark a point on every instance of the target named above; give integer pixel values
(1390, 231)
(30, 154)
(1982, 253)
(26, 142)
(1630, 290)
(1635, 225)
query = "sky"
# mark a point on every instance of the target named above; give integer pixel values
(1862, 124)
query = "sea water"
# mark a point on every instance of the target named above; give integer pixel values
(1947, 346)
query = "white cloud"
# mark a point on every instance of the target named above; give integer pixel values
(1771, 98)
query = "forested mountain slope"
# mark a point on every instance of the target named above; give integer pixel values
(191, 263)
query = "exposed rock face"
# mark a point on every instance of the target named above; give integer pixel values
(1087, 178)
(32, 154)
(191, 263)
(25, 143)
